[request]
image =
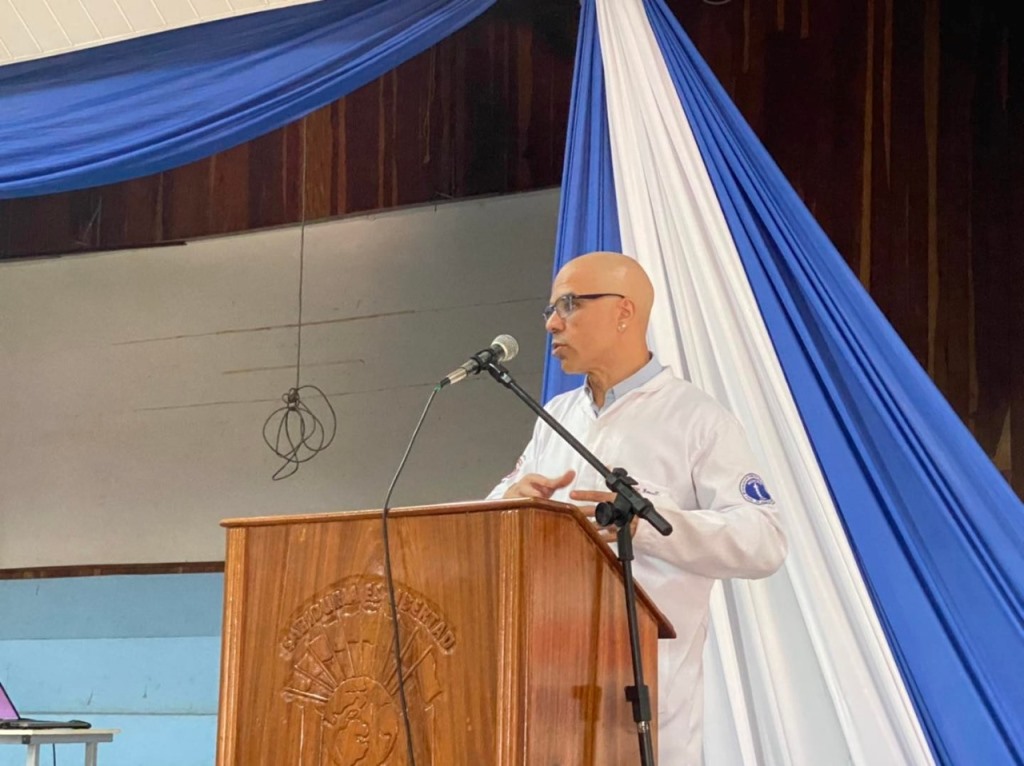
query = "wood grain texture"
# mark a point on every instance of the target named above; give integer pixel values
(898, 122)
(511, 733)
(574, 646)
(509, 656)
(231, 655)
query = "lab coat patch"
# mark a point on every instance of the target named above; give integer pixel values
(753, 490)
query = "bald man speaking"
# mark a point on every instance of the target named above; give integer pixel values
(689, 455)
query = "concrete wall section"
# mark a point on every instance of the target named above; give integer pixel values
(137, 383)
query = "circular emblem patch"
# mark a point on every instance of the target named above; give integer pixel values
(753, 490)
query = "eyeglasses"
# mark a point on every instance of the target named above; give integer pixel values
(566, 304)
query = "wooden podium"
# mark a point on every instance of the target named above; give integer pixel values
(513, 634)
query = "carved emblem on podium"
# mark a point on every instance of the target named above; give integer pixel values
(343, 674)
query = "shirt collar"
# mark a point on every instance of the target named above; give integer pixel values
(644, 375)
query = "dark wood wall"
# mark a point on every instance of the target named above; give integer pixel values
(482, 112)
(899, 122)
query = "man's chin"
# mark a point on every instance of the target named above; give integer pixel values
(569, 368)
(565, 357)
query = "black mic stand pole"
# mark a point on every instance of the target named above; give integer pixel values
(627, 504)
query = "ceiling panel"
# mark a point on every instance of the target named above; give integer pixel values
(179, 14)
(37, 19)
(143, 15)
(108, 17)
(207, 7)
(76, 22)
(31, 29)
(15, 38)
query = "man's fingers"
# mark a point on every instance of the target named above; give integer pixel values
(543, 488)
(536, 485)
(563, 480)
(527, 487)
(552, 483)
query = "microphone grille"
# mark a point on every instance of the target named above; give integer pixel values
(509, 346)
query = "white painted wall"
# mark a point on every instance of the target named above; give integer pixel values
(136, 383)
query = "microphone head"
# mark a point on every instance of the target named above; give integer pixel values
(507, 347)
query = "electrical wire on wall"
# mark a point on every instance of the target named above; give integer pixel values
(296, 434)
(294, 431)
(396, 638)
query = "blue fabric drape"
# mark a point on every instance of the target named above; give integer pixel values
(937, 531)
(145, 105)
(588, 219)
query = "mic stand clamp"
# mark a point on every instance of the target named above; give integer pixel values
(627, 504)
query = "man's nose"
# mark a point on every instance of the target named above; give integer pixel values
(554, 323)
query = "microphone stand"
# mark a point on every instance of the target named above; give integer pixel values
(620, 512)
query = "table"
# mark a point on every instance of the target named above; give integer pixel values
(33, 738)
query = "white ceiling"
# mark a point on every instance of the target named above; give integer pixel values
(31, 29)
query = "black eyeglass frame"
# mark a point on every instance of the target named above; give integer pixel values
(569, 300)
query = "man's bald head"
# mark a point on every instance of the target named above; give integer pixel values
(610, 273)
(606, 332)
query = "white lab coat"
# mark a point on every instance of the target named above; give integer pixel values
(692, 460)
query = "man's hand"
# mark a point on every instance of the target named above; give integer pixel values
(536, 485)
(608, 534)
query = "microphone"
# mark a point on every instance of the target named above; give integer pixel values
(502, 348)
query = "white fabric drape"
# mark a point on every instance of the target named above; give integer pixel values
(798, 670)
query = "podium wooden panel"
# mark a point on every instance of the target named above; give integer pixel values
(513, 631)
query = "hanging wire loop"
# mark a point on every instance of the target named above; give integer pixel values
(295, 433)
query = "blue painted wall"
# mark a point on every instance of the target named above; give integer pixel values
(138, 653)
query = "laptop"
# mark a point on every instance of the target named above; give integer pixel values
(9, 718)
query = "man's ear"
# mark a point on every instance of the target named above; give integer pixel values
(627, 310)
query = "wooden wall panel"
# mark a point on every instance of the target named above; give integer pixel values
(1014, 106)
(898, 121)
(899, 268)
(188, 204)
(317, 151)
(952, 296)
(131, 212)
(362, 148)
(996, 295)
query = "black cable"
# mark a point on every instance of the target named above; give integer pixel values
(300, 434)
(302, 252)
(396, 639)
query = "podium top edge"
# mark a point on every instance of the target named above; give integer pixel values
(478, 506)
